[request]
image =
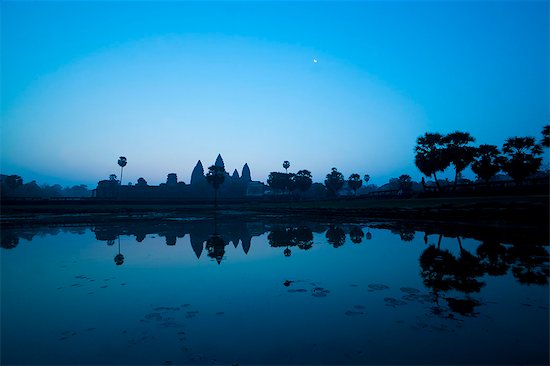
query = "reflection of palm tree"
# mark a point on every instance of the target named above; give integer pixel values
(356, 234)
(437, 268)
(530, 263)
(336, 236)
(122, 163)
(287, 252)
(9, 240)
(215, 246)
(119, 258)
(368, 235)
(303, 237)
(493, 257)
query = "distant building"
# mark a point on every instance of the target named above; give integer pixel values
(234, 186)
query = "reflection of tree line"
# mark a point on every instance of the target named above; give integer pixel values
(441, 270)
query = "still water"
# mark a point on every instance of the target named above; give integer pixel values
(259, 292)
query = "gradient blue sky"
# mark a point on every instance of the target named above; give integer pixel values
(166, 84)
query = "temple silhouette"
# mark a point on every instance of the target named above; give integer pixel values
(234, 186)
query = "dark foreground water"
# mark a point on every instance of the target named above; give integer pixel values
(254, 292)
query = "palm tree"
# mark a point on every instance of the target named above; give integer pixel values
(430, 155)
(458, 152)
(122, 163)
(366, 178)
(286, 165)
(355, 182)
(522, 159)
(487, 162)
(215, 177)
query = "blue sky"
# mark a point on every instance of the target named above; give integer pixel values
(166, 84)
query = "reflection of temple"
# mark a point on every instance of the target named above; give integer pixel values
(234, 186)
(200, 232)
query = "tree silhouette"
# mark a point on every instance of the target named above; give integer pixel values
(336, 236)
(215, 177)
(112, 178)
(404, 183)
(366, 178)
(122, 163)
(286, 165)
(493, 257)
(281, 181)
(458, 152)
(522, 159)
(529, 263)
(303, 180)
(334, 181)
(356, 234)
(215, 246)
(355, 182)
(430, 156)
(545, 141)
(487, 162)
(119, 258)
(141, 182)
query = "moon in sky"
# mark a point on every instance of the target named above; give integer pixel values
(314, 60)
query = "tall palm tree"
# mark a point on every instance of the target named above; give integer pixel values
(522, 157)
(430, 155)
(355, 182)
(458, 152)
(487, 162)
(122, 163)
(215, 177)
(286, 165)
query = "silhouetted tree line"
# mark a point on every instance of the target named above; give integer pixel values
(519, 157)
(13, 186)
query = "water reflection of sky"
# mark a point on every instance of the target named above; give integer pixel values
(65, 301)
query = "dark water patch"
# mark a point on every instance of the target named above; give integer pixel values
(353, 313)
(393, 302)
(409, 290)
(297, 290)
(168, 308)
(377, 287)
(360, 307)
(287, 283)
(220, 313)
(319, 292)
(104, 286)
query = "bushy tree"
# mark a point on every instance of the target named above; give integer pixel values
(366, 178)
(334, 181)
(141, 182)
(282, 182)
(521, 157)
(404, 183)
(431, 156)
(355, 182)
(487, 162)
(303, 180)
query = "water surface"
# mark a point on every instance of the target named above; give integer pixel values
(258, 292)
